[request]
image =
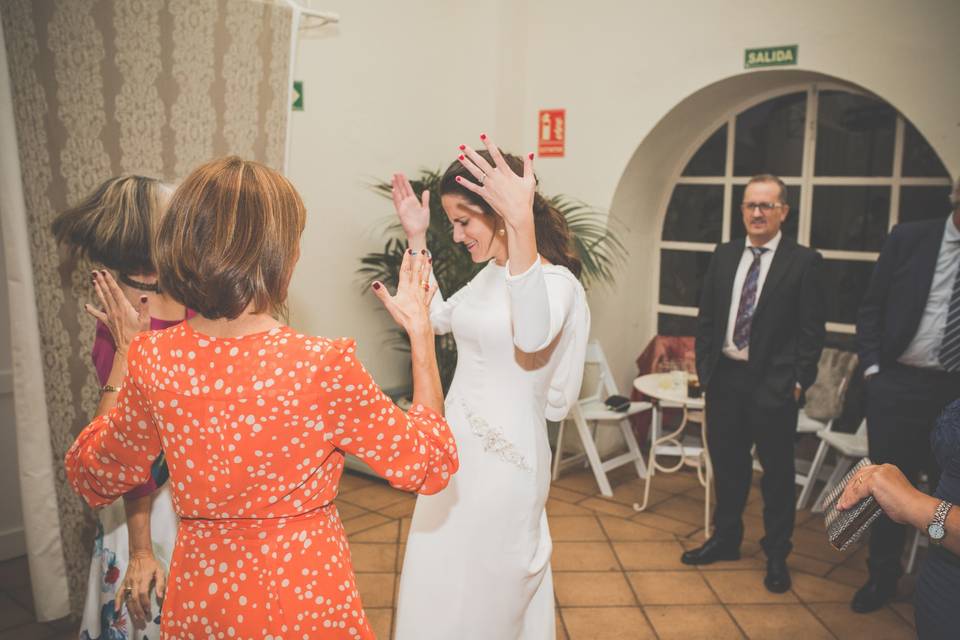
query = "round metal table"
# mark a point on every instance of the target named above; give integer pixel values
(664, 393)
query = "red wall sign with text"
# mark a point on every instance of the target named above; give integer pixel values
(552, 133)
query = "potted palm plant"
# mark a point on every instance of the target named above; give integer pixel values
(599, 249)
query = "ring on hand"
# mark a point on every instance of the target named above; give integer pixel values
(859, 481)
(424, 283)
(482, 177)
(128, 590)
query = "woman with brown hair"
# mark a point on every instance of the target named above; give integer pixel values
(477, 561)
(114, 227)
(254, 419)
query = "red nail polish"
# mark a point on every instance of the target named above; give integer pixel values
(429, 260)
(143, 298)
(531, 155)
(460, 157)
(376, 285)
(459, 179)
(426, 287)
(463, 147)
(483, 136)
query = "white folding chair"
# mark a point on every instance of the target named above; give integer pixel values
(850, 448)
(832, 361)
(589, 413)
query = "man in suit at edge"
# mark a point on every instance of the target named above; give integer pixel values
(760, 331)
(908, 336)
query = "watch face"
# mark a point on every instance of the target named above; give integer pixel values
(936, 531)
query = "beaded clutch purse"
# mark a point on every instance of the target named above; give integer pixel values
(845, 527)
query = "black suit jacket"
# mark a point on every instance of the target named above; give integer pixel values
(788, 327)
(893, 304)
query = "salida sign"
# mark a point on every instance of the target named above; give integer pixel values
(770, 56)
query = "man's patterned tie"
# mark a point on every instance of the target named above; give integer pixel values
(950, 347)
(748, 301)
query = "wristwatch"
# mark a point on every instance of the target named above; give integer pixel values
(936, 529)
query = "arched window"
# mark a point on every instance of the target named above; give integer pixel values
(853, 166)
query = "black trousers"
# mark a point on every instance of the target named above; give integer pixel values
(902, 406)
(735, 422)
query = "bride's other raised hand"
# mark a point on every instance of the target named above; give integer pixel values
(414, 213)
(509, 195)
(410, 305)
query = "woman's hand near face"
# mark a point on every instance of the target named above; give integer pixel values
(121, 318)
(509, 195)
(414, 214)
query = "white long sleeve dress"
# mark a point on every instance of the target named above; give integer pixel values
(477, 562)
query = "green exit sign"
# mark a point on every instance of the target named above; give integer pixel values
(297, 95)
(770, 56)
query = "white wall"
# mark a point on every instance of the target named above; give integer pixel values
(398, 85)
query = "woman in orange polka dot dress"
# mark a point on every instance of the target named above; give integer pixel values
(254, 419)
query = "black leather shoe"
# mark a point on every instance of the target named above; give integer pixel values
(711, 551)
(873, 595)
(777, 579)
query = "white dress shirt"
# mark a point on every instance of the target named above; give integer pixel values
(766, 258)
(923, 349)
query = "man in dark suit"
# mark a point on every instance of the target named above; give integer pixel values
(760, 331)
(908, 336)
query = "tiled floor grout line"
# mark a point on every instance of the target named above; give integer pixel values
(723, 604)
(623, 572)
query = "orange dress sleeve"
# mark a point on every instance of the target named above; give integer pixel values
(114, 453)
(414, 451)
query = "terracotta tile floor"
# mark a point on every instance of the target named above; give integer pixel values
(617, 573)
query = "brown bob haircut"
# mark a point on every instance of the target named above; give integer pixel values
(230, 237)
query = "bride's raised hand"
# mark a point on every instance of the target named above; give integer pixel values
(509, 195)
(414, 213)
(410, 305)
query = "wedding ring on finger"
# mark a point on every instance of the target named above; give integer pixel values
(481, 179)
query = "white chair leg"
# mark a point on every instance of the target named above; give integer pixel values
(912, 557)
(813, 474)
(843, 465)
(593, 457)
(633, 448)
(558, 454)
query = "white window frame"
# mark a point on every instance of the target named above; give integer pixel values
(806, 181)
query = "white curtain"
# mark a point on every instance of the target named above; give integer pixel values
(34, 453)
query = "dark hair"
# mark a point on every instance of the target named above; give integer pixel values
(554, 241)
(769, 177)
(114, 225)
(230, 236)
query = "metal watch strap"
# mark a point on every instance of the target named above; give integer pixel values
(940, 518)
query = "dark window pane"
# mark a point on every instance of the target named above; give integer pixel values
(681, 276)
(769, 137)
(695, 213)
(850, 218)
(710, 158)
(854, 135)
(845, 281)
(924, 203)
(790, 225)
(671, 325)
(919, 158)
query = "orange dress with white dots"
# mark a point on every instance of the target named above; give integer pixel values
(254, 430)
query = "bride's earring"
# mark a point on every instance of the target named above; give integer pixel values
(502, 231)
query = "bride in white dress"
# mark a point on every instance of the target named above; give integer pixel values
(477, 562)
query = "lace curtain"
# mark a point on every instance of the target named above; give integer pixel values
(100, 88)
